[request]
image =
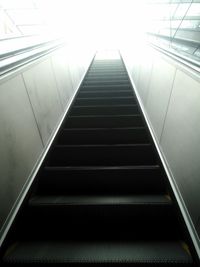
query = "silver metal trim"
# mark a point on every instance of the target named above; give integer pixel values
(17, 58)
(192, 64)
(184, 211)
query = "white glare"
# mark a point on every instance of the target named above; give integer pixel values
(107, 54)
(100, 23)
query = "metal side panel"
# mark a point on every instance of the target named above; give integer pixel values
(60, 64)
(20, 142)
(144, 79)
(29, 151)
(179, 147)
(181, 141)
(160, 88)
(42, 89)
(74, 66)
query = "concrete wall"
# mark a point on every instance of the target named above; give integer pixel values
(170, 94)
(32, 102)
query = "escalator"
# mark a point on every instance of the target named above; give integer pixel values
(101, 196)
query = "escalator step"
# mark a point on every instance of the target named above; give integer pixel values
(106, 201)
(106, 209)
(137, 253)
(109, 82)
(111, 121)
(104, 110)
(105, 75)
(96, 68)
(110, 66)
(114, 88)
(105, 101)
(104, 93)
(102, 155)
(114, 216)
(108, 78)
(110, 71)
(102, 180)
(103, 136)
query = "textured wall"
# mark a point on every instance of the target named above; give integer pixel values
(170, 93)
(32, 103)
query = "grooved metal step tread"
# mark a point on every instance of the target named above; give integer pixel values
(100, 87)
(99, 75)
(86, 168)
(108, 77)
(157, 253)
(104, 98)
(108, 65)
(94, 91)
(105, 146)
(90, 82)
(100, 200)
(104, 106)
(105, 116)
(104, 91)
(108, 70)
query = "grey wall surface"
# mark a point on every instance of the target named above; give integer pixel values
(160, 86)
(62, 75)
(33, 100)
(172, 106)
(44, 96)
(20, 142)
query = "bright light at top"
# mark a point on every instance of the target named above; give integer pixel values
(99, 23)
(107, 54)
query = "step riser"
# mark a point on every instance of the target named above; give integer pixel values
(124, 110)
(107, 221)
(102, 155)
(101, 181)
(96, 68)
(121, 82)
(106, 79)
(105, 101)
(115, 72)
(104, 122)
(107, 76)
(106, 91)
(105, 63)
(105, 94)
(93, 216)
(106, 88)
(101, 136)
(110, 66)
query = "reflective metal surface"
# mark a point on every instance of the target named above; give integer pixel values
(41, 86)
(20, 142)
